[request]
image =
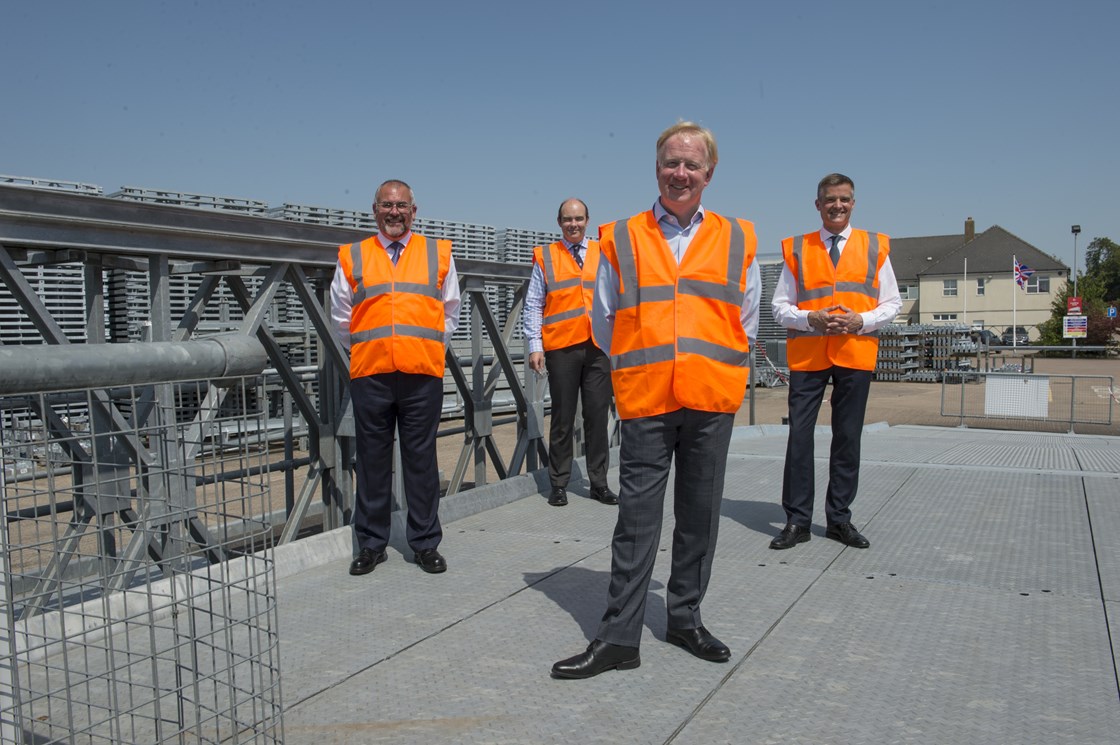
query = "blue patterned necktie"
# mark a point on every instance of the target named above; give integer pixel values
(395, 247)
(834, 252)
(575, 255)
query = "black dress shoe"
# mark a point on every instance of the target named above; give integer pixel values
(558, 497)
(604, 495)
(598, 658)
(366, 560)
(790, 536)
(431, 561)
(847, 534)
(700, 642)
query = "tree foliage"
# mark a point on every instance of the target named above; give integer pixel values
(1099, 287)
(1102, 262)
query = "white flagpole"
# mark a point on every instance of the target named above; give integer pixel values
(1014, 301)
(965, 289)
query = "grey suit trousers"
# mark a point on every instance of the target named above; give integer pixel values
(698, 440)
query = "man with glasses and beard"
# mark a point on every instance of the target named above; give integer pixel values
(395, 303)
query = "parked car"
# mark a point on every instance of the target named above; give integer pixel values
(1017, 336)
(985, 338)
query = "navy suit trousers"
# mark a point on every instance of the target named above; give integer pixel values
(384, 403)
(850, 389)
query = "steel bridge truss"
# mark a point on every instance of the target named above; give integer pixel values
(254, 261)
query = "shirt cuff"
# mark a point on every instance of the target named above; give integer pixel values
(803, 320)
(535, 345)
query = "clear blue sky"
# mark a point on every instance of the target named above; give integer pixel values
(496, 111)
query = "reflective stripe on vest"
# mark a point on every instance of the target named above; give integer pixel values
(632, 294)
(867, 287)
(397, 325)
(401, 329)
(678, 340)
(568, 288)
(820, 283)
(552, 284)
(362, 292)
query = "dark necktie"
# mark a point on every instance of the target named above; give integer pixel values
(834, 252)
(395, 251)
(575, 255)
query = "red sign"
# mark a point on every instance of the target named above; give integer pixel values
(1073, 306)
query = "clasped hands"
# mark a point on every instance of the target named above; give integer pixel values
(836, 319)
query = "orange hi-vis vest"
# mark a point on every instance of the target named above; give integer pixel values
(565, 321)
(678, 337)
(853, 283)
(397, 317)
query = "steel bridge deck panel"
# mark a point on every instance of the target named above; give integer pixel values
(975, 617)
(1014, 532)
(890, 660)
(485, 680)
(1103, 499)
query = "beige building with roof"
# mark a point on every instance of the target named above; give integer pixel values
(969, 279)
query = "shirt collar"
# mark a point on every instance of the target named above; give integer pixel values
(571, 245)
(844, 234)
(385, 241)
(660, 213)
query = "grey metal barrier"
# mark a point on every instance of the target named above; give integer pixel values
(1028, 399)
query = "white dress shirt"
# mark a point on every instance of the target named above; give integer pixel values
(532, 317)
(340, 296)
(788, 315)
(605, 300)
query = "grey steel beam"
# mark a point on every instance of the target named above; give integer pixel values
(56, 367)
(31, 218)
(319, 319)
(159, 298)
(29, 300)
(193, 312)
(276, 355)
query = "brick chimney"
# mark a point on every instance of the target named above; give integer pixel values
(969, 229)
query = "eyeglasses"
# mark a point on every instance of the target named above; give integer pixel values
(388, 206)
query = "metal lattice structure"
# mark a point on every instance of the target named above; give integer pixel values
(154, 272)
(139, 603)
(148, 274)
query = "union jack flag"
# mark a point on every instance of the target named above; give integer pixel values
(1022, 274)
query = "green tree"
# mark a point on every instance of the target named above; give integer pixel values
(1099, 287)
(1102, 261)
